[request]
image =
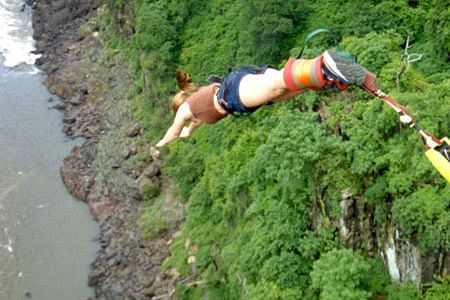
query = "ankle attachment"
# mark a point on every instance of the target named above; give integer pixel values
(300, 74)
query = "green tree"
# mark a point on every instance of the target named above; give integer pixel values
(406, 291)
(424, 214)
(438, 24)
(438, 291)
(341, 275)
(264, 290)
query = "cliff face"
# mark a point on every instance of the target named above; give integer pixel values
(403, 258)
(103, 170)
(51, 16)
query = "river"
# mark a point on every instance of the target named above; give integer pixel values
(47, 238)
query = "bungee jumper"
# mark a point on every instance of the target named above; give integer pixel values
(245, 89)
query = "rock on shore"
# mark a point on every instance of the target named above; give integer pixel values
(101, 171)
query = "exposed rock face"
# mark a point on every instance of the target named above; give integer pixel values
(99, 172)
(50, 15)
(404, 260)
(75, 171)
(415, 266)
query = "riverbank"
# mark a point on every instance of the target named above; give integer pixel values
(106, 170)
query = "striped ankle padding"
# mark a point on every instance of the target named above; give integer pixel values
(300, 74)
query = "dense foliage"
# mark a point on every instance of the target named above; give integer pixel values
(263, 192)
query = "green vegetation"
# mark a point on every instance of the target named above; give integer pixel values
(343, 275)
(153, 222)
(263, 192)
(439, 290)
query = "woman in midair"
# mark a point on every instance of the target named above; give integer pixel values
(247, 88)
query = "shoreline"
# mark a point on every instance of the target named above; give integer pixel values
(102, 171)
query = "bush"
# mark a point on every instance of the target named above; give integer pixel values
(151, 190)
(341, 275)
(403, 292)
(424, 215)
(153, 222)
(439, 290)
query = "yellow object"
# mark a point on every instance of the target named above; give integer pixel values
(439, 161)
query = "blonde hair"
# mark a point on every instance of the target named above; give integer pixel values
(187, 86)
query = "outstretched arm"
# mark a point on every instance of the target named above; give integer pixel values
(183, 115)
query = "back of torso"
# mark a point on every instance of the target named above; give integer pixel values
(201, 104)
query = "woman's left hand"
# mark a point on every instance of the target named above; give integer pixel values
(155, 153)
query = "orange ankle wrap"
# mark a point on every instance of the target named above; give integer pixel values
(300, 74)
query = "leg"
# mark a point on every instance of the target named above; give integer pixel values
(278, 85)
(330, 70)
(258, 89)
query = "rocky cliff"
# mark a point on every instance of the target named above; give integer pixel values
(103, 171)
